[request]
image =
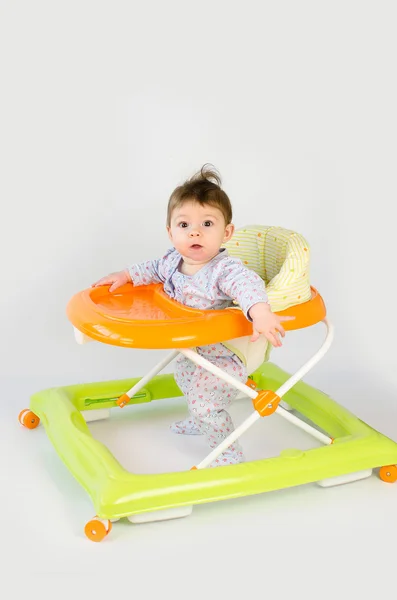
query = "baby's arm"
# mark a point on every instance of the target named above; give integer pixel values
(150, 271)
(265, 322)
(248, 289)
(115, 280)
(241, 284)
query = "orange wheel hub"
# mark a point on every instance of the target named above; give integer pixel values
(388, 474)
(97, 529)
(28, 419)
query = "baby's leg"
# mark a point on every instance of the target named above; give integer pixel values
(184, 372)
(209, 396)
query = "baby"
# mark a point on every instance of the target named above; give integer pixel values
(199, 273)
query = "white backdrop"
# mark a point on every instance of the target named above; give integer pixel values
(107, 106)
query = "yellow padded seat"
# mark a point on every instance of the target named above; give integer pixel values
(280, 257)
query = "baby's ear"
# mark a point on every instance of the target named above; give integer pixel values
(229, 230)
(169, 232)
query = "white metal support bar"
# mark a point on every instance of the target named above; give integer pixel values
(199, 360)
(124, 399)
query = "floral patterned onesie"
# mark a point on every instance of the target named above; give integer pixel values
(215, 286)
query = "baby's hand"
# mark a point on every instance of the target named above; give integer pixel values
(115, 280)
(267, 323)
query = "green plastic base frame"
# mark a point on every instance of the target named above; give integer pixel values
(116, 493)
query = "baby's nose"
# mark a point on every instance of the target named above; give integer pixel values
(194, 232)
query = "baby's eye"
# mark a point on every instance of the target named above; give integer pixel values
(182, 224)
(208, 223)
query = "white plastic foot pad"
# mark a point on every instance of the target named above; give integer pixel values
(341, 479)
(162, 515)
(96, 415)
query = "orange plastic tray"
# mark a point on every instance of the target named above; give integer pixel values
(145, 317)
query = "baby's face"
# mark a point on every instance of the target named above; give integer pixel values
(197, 232)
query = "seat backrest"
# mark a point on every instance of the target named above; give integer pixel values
(280, 257)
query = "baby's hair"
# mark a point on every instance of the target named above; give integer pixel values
(204, 188)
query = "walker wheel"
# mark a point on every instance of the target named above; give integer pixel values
(28, 419)
(97, 529)
(388, 474)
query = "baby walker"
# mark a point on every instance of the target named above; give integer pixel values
(144, 317)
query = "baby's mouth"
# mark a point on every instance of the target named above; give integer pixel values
(196, 246)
